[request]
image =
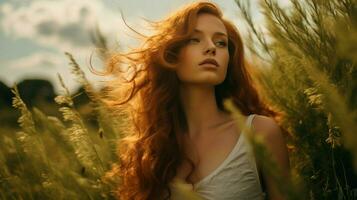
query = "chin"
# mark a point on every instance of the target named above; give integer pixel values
(205, 81)
(213, 82)
(217, 82)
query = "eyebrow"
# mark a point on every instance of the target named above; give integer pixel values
(216, 33)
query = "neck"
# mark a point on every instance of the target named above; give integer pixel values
(201, 110)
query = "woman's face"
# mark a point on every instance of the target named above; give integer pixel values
(209, 41)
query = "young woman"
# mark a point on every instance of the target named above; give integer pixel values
(177, 127)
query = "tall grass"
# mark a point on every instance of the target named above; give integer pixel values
(53, 158)
(309, 72)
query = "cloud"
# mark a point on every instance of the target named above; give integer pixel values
(64, 25)
(46, 65)
(42, 60)
(58, 26)
(37, 65)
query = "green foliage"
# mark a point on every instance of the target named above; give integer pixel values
(54, 159)
(310, 74)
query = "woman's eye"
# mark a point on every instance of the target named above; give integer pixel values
(221, 43)
(194, 40)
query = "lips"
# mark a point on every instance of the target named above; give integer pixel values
(209, 61)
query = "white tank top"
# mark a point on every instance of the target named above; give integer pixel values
(236, 178)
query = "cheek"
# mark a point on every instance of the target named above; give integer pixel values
(185, 73)
(188, 60)
(187, 56)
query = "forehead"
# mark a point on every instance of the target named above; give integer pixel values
(210, 23)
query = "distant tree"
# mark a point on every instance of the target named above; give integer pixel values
(5, 95)
(35, 91)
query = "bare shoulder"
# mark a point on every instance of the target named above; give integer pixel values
(267, 127)
(273, 138)
(274, 141)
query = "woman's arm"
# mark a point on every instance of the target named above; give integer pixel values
(276, 145)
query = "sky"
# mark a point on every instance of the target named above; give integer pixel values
(34, 34)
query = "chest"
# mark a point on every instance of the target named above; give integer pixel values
(208, 154)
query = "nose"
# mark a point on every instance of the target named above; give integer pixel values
(210, 49)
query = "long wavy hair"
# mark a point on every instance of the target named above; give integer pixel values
(145, 92)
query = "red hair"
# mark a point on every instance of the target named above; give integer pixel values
(151, 149)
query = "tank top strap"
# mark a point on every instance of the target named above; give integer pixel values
(249, 120)
(253, 159)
